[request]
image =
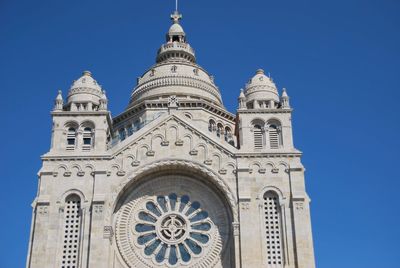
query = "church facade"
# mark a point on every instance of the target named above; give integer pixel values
(176, 180)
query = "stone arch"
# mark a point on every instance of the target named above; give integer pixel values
(173, 132)
(202, 147)
(254, 164)
(153, 138)
(135, 190)
(186, 165)
(190, 138)
(71, 123)
(138, 149)
(217, 160)
(87, 123)
(274, 189)
(69, 192)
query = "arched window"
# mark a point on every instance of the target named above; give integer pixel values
(274, 136)
(273, 230)
(130, 130)
(87, 139)
(211, 125)
(228, 134)
(258, 137)
(122, 134)
(136, 125)
(220, 129)
(71, 138)
(72, 232)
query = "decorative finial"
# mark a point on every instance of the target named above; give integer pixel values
(242, 100)
(59, 102)
(285, 100)
(103, 101)
(260, 71)
(87, 73)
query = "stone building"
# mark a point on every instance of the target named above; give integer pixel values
(176, 180)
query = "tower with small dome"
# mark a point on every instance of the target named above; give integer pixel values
(175, 180)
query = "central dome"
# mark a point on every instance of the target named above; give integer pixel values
(176, 73)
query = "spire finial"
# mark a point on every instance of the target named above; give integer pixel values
(176, 16)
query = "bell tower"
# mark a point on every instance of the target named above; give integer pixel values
(264, 117)
(82, 125)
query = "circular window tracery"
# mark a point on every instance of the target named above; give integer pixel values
(172, 228)
(173, 221)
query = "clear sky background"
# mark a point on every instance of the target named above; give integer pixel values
(339, 60)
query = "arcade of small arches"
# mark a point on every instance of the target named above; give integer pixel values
(221, 131)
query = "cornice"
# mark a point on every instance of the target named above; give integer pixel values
(85, 113)
(176, 80)
(148, 104)
(263, 111)
(64, 157)
(268, 154)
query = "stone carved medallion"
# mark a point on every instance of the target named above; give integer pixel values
(172, 221)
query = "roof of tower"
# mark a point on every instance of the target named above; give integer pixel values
(85, 89)
(261, 87)
(176, 29)
(176, 72)
(86, 81)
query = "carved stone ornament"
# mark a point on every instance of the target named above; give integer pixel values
(173, 101)
(108, 232)
(299, 205)
(164, 143)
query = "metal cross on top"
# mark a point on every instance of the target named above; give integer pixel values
(176, 16)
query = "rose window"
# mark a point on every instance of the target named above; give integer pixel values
(172, 229)
(173, 221)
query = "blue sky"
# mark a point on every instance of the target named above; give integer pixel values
(339, 60)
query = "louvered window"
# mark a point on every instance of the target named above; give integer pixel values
(274, 139)
(72, 227)
(258, 137)
(273, 235)
(71, 139)
(87, 139)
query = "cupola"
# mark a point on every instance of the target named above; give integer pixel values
(84, 94)
(176, 48)
(176, 73)
(261, 91)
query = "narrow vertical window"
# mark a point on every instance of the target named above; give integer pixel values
(273, 236)
(122, 134)
(130, 130)
(211, 126)
(72, 229)
(274, 139)
(220, 129)
(87, 139)
(71, 138)
(136, 125)
(228, 134)
(258, 137)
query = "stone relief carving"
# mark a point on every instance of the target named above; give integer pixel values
(198, 148)
(299, 205)
(189, 165)
(43, 210)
